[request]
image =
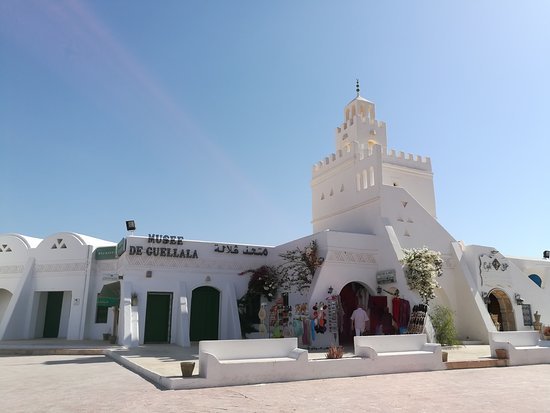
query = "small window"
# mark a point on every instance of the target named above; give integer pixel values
(536, 279)
(371, 173)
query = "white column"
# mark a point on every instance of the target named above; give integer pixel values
(182, 319)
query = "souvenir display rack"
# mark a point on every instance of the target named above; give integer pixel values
(417, 320)
(332, 322)
(332, 318)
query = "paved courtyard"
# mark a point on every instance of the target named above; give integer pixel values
(65, 383)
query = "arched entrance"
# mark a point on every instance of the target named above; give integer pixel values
(350, 295)
(205, 314)
(5, 297)
(501, 310)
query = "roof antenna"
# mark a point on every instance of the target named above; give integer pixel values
(357, 87)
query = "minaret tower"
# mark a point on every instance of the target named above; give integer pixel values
(360, 125)
(349, 185)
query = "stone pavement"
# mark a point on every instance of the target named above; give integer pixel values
(94, 383)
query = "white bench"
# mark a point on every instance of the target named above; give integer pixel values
(408, 352)
(523, 347)
(251, 361)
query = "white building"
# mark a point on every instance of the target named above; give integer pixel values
(368, 204)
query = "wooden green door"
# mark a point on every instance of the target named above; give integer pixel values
(205, 308)
(157, 318)
(54, 303)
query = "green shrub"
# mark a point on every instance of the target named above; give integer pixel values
(444, 326)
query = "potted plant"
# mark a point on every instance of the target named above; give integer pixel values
(546, 332)
(335, 352)
(187, 368)
(501, 353)
(134, 299)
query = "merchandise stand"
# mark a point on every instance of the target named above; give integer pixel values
(332, 317)
(418, 319)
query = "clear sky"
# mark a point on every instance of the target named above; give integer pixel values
(204, 118)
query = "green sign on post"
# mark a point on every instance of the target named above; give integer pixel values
(121, 247)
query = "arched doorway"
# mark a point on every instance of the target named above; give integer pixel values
(350, 295)
(205, 314)
(5, 297)
(501, 310)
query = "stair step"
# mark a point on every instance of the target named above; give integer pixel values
(50, 351)
(475, 364)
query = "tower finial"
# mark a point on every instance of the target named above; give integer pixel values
(357, 87)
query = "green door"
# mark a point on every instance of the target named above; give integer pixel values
(52, 318)
(157, 318)
(205, 308)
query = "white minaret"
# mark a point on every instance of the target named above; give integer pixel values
(346, 185)
(360, 125)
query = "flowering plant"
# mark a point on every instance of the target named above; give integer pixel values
(422, 267)
(263, 281)
(299, 267)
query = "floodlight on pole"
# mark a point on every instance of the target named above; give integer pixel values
(131, 226)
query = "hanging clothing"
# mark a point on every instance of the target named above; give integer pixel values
(306, 338)
(341, 314)
(404, 314)
(396, 309)
(298, 327)
(377, 305)
(387, 322)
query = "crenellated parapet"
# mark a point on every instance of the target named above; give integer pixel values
(359, 152)
(334, 159)
(373, 124)
(407, 160)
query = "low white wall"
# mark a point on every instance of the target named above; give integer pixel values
(523, 347)
(267, 361)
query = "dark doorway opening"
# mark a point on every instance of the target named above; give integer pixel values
(158, 314)
(205, 314)
(350, 296)
(52, 319)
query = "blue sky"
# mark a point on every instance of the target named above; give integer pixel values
(203, 118)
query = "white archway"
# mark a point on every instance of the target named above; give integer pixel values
(5, 297)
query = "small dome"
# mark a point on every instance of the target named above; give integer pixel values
(360, 99)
